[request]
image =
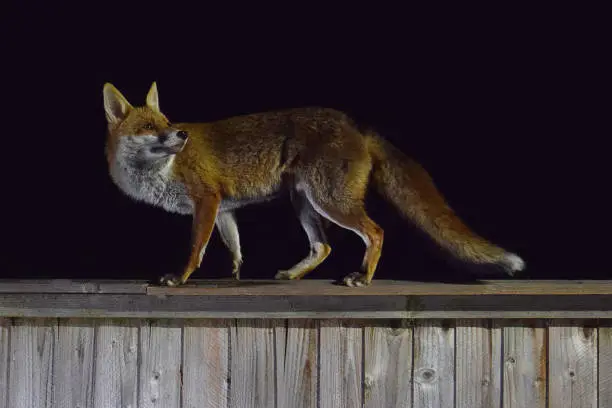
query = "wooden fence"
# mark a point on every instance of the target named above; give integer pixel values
(305, 344)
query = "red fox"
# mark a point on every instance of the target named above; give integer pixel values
(317, 155)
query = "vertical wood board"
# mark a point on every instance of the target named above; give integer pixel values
(434, 365)
(206, 357)
(478, 364)
(73, 364)
(116, 364)
(572, 365)
(340, 363)
(296, 364)
(388, 365)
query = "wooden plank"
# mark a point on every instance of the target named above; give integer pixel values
(605, 364)
(525, 365)
(73, 364)
(309, 287)
(206, 363)
(31, 363)
(296, 363)
(71, 286)
(478, 361)
(340, 363)
(252, 363)
(572, 365)
(345, 307)
(160, 364)
(5, 326)
(388, 365)
(116, 364)
(434, 364)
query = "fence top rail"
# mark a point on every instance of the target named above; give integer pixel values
(507, 299)
(225, 287)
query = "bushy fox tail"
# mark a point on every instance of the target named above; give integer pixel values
(409, 187)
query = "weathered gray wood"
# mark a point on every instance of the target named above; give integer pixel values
(116, 364)
(356, 307)
(572, 365)
(206, 363)
(525, 368)
(252, 363)
(478, 358)
(605, 365)
(434, 365)
(71, 286)
(31, 363)
(340, 363)
(5, 325)
(73, 364)
(160, 364)
(388, 365)
(309, 287)
(296, 364)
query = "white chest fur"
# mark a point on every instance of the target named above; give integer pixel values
(153, 186)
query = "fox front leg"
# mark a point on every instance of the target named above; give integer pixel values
(228, 229)
(203, 223)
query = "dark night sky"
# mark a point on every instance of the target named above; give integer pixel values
(502, 107)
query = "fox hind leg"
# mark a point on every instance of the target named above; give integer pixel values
(352, 216)
(319, 248)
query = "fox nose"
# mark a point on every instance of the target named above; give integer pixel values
(182, 134)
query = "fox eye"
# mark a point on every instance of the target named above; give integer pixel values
(148, 126)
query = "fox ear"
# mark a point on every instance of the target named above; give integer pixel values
(153, 98)
(116, 106)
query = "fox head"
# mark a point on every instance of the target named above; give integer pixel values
(140, 135)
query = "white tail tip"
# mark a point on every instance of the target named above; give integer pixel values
(513, 263)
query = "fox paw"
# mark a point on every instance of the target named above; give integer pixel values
(170, 280)
(237, 264)
(283, 275)
(356, 279)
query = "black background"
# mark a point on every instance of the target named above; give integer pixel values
(504, 108)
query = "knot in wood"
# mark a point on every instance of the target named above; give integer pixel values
(426, 375)
(368, 381)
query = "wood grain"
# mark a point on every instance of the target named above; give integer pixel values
(160, 366)
(525, 368)
(313, 306)
(206, 363)
(73, 364)
(116, 364)
(5, 326)
(306, 287)
(573, 365)
(388, 365)
(340, 363)
(478, 356)
(31, 363)
(71, 286)
(434, 364)
(296, 363)
(605, 365)
(253, 368)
